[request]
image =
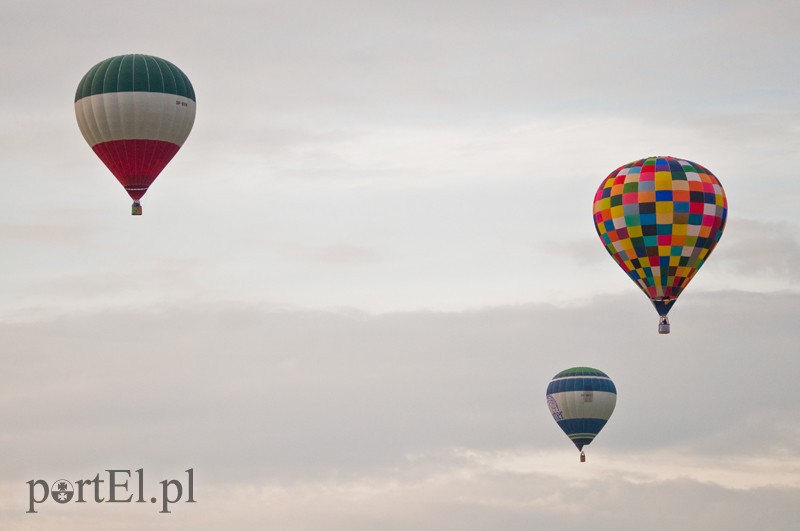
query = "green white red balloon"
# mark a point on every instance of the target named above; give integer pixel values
(135, 111)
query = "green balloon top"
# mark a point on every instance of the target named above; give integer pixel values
(580, 371)
(135, 73)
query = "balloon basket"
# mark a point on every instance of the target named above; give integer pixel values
(583, 457)
(136, 209)
(663, 325)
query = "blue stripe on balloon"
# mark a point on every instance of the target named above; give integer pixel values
(582, 427)
(563, 385)
(580, 442)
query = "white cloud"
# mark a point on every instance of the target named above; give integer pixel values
(463, 490)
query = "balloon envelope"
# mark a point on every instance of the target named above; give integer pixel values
(659, 219)
(135, 111)
(581, 400)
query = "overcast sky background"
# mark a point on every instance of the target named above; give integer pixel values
(350, 288)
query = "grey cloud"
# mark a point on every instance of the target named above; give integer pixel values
(760, 249)
(454, 495)
(246, 392)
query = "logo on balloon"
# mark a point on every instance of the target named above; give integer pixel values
(554, 409)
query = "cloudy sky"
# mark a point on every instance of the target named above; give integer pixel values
(350, 288)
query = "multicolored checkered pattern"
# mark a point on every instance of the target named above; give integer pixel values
(660, 218)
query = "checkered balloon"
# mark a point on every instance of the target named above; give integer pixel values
(659, 218)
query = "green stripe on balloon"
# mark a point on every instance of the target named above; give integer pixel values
(582, 371)
(135, 73)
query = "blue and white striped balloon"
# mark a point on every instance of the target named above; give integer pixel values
(581, 400)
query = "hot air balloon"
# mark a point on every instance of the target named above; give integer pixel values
(581, 400)
(659, 219)
(135, 111)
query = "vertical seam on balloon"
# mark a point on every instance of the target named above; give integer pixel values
(145, 159)
(155, 134)
(128, 157)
